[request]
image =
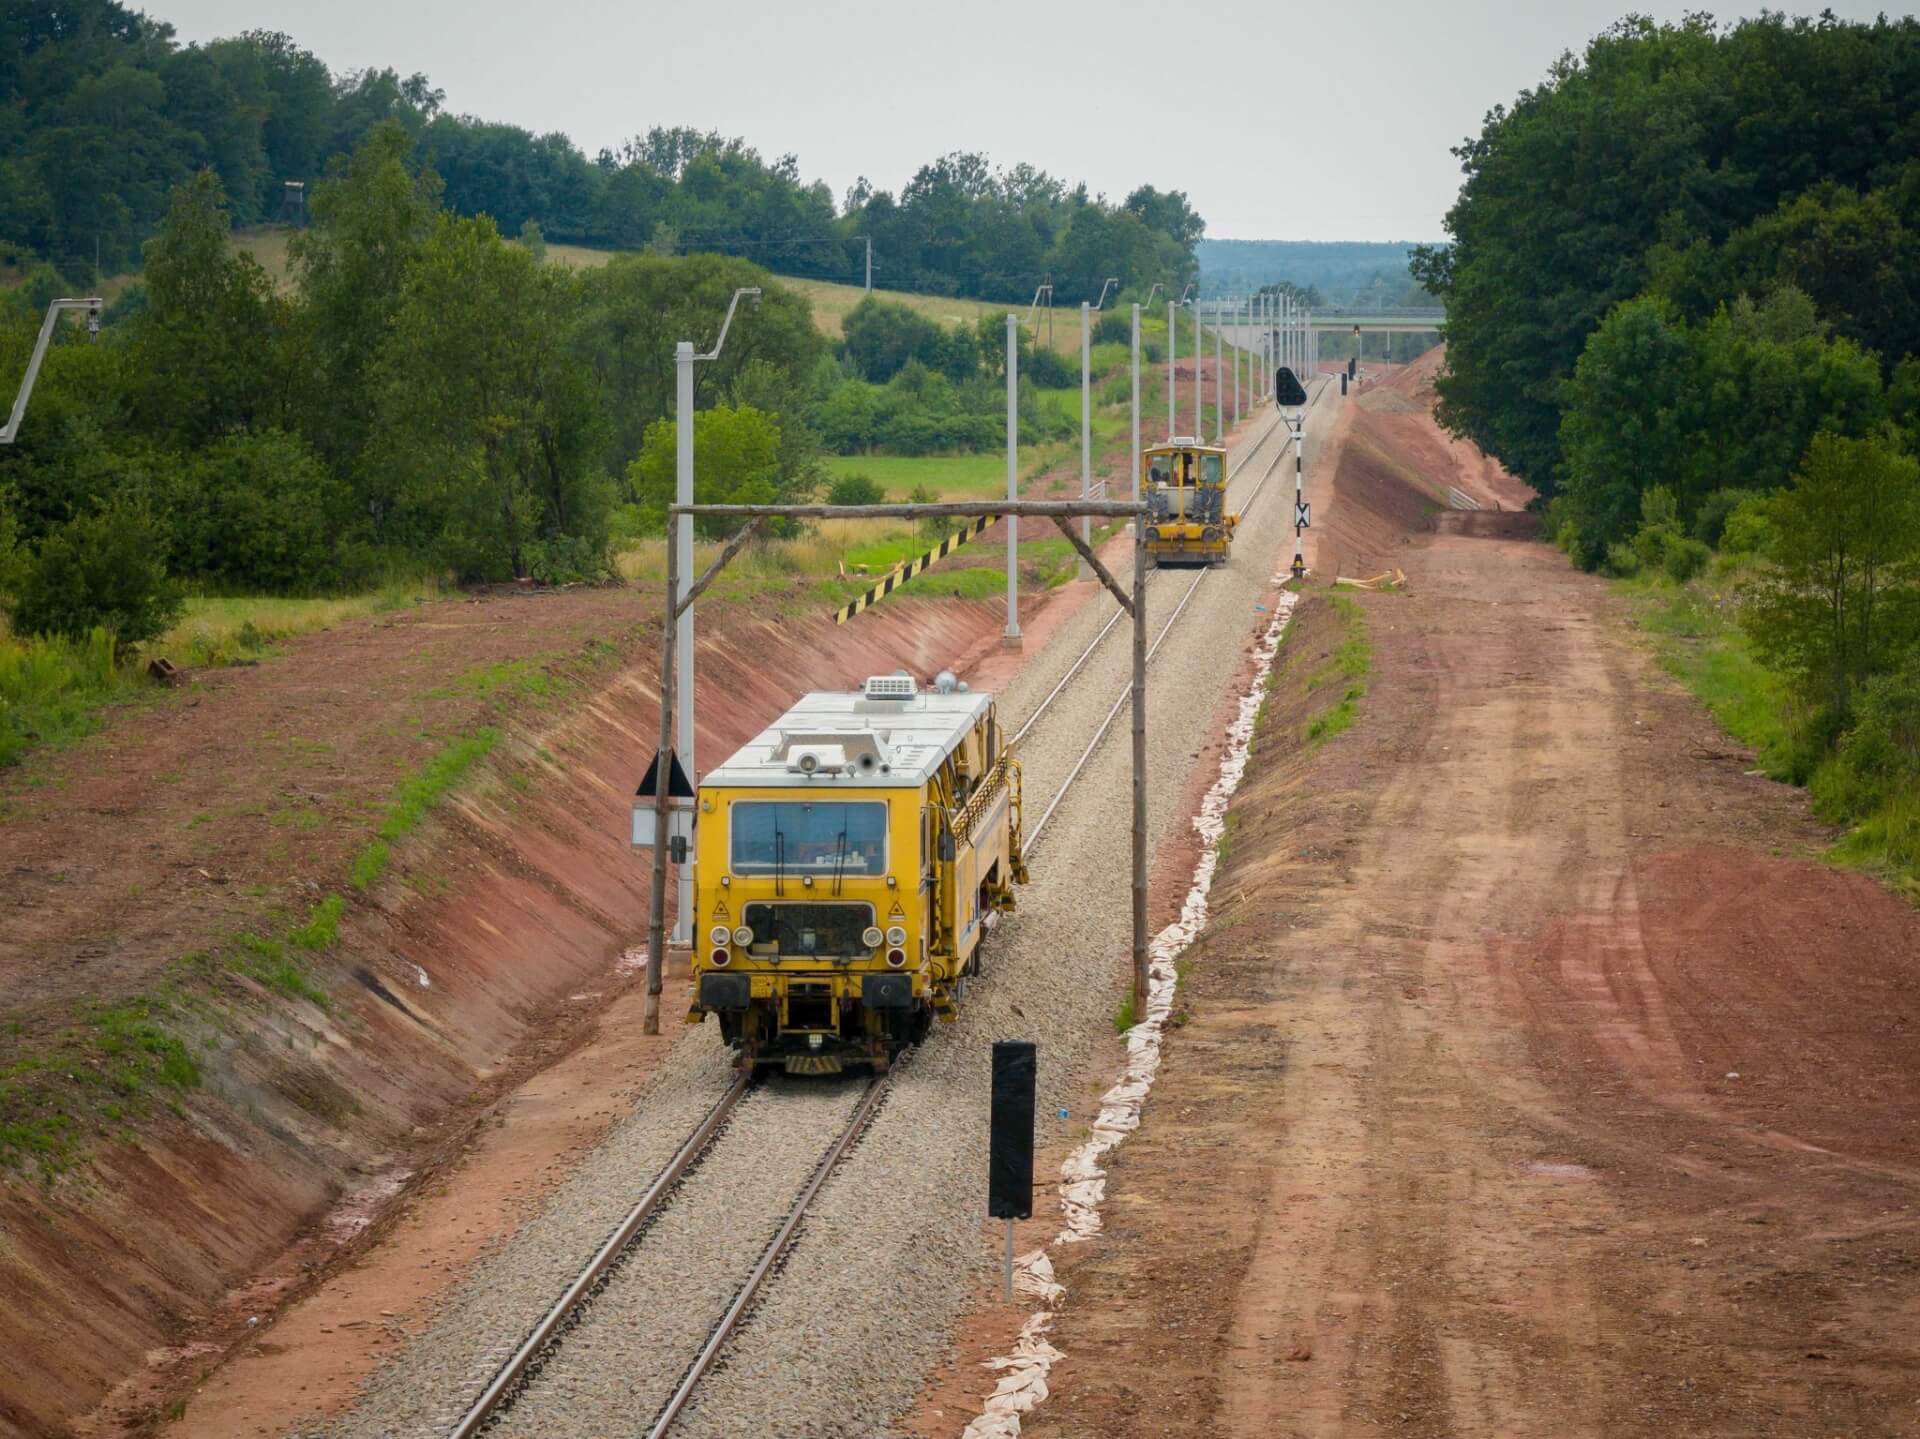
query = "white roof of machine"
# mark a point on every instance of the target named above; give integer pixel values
(916, 735)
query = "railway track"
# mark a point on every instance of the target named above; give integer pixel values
(522, 1370)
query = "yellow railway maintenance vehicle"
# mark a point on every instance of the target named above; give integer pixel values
(847, 864)
(1185, 485)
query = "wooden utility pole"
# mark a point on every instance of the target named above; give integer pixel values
(657, 901)
(1140, 976)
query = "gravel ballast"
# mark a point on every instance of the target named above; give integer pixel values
(892, 1247)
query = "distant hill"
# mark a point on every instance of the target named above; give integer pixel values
(1341, 270)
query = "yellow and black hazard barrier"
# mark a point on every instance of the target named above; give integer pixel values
(969, 529)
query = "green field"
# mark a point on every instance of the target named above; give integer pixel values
(951, 477)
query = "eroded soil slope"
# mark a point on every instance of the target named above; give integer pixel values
(1537, 1080)
(134, 865)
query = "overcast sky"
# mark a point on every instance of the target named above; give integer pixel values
(1324, 122)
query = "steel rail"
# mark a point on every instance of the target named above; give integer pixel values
(1106, 724)
(514, 1371)
(769, 1257)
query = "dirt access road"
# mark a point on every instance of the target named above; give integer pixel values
(1535, 1082)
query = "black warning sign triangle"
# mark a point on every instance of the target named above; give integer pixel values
(678, 785)
(1286, 388)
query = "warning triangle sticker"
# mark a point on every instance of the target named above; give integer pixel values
(896, 912)
(678, 786)
(720, 910)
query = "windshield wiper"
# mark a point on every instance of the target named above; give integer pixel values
(779, 860)
(839, 861)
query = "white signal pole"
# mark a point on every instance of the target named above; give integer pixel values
(1012, 636)
(1086, 418)
(1173, 343)
(683, 360)
(1136, 403)
(1086, 410)
(1219, 399)
(1236, 362)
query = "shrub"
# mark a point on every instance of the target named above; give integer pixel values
(1748, 530)
(1711, 523)
(1685, 558)
(1621, 561)
(1047, 369)
(568, 560)
(1114, 327)
(258, 512)
(1659, 509)
(1879, 757)
(11, 558)
(856, 490)
(100, 571)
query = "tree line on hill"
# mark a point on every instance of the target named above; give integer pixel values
(104, 113)
(426, 393)
(1683, 301)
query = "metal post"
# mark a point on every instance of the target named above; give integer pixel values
(1219, 400)
(657, 900)
(1299, 496)
(1140, 977)
(1012, 635)
(1009, 1266)
(869, 264)
(1136, 405)
(1173, 343)
(39, 353)
(1086, 420)
(1199, 424)
(683, 630)
(1236, 362)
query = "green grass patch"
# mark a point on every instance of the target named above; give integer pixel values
(52, 690)
(1697, 639)
(322, 926)
(509, 679)
(233, 629)
(1123, 1016)
(951, 477)
(1223, 846)
(415, 796)
(106, 1069)
(1350, 663)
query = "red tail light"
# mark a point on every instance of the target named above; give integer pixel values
(897, 958)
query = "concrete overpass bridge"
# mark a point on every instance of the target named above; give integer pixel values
(1402, 321)
(1332, 321)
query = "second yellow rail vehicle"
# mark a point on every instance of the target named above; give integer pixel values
(1185, 485)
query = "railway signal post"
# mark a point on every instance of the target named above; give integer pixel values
(1290, 395)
